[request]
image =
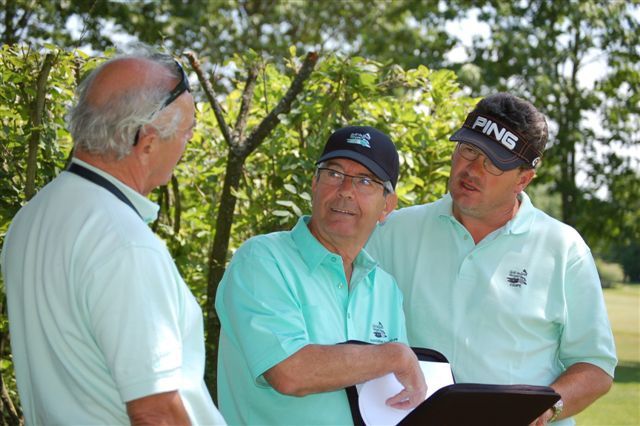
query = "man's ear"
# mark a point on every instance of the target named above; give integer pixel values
(524, 178)
(147, 144)
(390, 204)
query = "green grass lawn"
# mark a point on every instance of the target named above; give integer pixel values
(621, 406)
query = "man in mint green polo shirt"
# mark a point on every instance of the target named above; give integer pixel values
(289, 299)
(508, 294)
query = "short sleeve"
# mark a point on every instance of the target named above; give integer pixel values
(587, 335)
(259, 311)
(134, 307)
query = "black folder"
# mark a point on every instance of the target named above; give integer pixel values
(463, 404)
(472, 404)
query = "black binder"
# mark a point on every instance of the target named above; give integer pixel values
(463, 404)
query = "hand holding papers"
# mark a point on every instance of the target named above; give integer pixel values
(448, 403)
(374, 393)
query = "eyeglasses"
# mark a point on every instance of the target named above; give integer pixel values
(181, 87)
(362, 184)
(469, 153)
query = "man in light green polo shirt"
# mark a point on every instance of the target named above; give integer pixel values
(508, 294)
(104, 331)
(289, 299)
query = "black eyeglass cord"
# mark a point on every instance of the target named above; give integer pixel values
(101, 181)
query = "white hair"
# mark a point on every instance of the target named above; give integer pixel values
(110, 129)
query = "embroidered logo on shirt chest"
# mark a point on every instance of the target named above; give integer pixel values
(517, 278)
(378, 330)
(378, 334)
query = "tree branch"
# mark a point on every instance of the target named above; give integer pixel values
(247, 98)
(177, 205)
(272, 119)
(14, 418)
(211, 97)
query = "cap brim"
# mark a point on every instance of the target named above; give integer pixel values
(498, 154)
(355, 156)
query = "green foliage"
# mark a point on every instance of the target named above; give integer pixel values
(628, 255)
(405, 32)
(21, 66)
(619, 214)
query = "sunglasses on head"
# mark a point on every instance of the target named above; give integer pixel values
(181, 87)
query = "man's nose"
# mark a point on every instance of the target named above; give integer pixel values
(477, 166)
(347, 187)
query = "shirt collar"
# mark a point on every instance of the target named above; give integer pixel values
(444, 206)
(148, 209)
(519, 224)
(523, 219)
(314, 253)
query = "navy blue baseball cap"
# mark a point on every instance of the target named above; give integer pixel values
(369, 147)
(502, 143)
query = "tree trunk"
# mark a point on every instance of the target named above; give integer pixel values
(217, 260)
(237, 153)
(37, 110)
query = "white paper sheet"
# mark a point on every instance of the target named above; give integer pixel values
(373, 394)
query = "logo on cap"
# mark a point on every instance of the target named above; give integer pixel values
(360, 139)
(501, 134)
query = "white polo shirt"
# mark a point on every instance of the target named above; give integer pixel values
(519, 307)
(98, 312)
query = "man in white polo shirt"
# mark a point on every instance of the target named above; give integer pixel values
(103, 328)
(507, 293)
(289, 299)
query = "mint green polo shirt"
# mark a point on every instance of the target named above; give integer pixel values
(98, 312)
(519, 307)
(283, 291)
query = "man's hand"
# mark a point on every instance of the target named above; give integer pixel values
(544, 418)
(579, 385)
(411, 377)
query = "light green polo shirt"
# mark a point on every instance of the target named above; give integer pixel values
(283, 291)
(519, 307)
(98, 312)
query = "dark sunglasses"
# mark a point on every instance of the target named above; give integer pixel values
(181, 87)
